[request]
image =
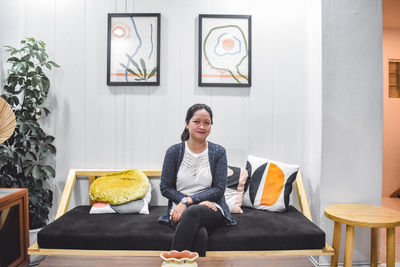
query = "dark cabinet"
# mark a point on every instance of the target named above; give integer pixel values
(14, 227)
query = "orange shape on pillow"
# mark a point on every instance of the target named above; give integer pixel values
(273, 185)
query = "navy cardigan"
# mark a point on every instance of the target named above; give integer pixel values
(218, 165)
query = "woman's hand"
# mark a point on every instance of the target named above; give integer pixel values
(177, 212)
(208, 204)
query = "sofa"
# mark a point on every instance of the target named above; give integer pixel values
(258, 232)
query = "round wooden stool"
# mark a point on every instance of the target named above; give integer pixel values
(363, 215)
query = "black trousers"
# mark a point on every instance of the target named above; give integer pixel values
(196, 223)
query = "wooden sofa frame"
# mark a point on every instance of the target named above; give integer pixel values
(91, 174)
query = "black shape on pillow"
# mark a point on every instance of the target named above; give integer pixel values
(288, 188)
(255, 181)
(248, 168)
(232, 181)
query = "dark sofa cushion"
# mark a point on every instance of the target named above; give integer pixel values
(256, 230)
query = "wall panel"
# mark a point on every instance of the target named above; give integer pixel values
(260, 121)
(69, 90)
(99, 114)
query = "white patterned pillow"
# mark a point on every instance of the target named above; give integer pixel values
(270, 184)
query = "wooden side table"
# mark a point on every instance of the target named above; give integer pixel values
(363, 215)
(14, 227)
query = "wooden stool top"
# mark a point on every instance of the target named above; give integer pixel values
(363, 215)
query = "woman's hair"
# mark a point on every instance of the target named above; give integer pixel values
(189, 115)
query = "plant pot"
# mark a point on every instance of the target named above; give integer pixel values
(34, 259)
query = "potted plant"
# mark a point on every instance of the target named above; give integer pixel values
(24, 156)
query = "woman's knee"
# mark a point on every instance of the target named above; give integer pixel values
(194, 211)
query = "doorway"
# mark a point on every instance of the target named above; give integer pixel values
(391, 116)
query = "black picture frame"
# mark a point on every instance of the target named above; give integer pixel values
(224, 50)
(132, 41)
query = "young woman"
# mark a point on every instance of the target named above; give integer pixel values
(194, 180)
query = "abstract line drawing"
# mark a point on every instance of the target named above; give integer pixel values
(151, 40)
(139, 45)
(133, 51)
(225, 50)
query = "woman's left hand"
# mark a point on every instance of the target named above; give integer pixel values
(208, 204)
(177, 212)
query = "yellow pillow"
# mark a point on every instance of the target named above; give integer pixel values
(119, 187)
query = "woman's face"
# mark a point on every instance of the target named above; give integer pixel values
(199, 125)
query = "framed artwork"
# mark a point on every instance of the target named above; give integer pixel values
(133, 49)
(225, 50)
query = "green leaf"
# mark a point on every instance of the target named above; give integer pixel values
(13, 59)
(12, 78)
(129, 70)
(43, 155)
(45, 83)
(28, 171)
(31, 73)
(26, 58)
(153, 71)
(49, 171)
(42, 44)
(46, 111)
(33, 155)
(21, 80)
(13, 155)
(144, 68)
(54, 64)
(22, 128)
(38, 69)
(52, 148)
(134, 64)
(41, 133)
(36, 172)
(15, 100)
(20, 152)
(49, 139)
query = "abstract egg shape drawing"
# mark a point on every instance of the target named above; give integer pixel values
(225, 49)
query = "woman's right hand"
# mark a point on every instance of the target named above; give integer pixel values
(208, 204)
(177, 212)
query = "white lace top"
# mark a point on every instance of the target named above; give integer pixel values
(194, 174)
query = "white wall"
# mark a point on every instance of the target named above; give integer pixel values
(351, 170)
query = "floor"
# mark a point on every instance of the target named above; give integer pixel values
(392, 203)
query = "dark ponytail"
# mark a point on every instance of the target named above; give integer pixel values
(185, 135)
(189, 115)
